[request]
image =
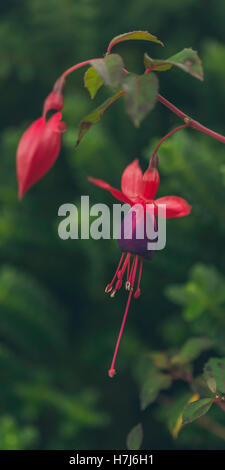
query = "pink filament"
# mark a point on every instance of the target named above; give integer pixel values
(115, 275)
(138, 292)
(112, 371)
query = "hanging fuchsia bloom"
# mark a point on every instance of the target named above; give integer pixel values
(38, 150)
(140, 189)
(40, 144)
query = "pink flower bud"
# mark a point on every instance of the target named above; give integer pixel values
(38, 150)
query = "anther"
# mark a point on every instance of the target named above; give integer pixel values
(111, 373)
(127, 285)
(108, 288)
(113, 293)
(137, 293)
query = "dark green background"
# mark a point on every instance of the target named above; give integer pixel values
(57, 327)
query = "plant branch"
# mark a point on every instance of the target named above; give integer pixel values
(188, 120)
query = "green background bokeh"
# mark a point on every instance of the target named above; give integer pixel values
(57, 328)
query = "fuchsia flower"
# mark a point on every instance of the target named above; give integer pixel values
(40, 145)
(137, 188)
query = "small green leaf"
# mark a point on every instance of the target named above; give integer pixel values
(155, 382)
(175, 412)
(141, 95)
(187, 60)
(214, 374)
(110, 70)
(92, 81)
(135, 437)
(93, 117)
(191, 350)
(136, 35)
(196, 409)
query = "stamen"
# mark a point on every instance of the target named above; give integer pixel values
(128, 270)
(112, 371)
(109, 286)
(138, 290)
(131, 270)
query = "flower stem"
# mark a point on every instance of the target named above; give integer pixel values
(168, 135)
(191, 122)
(77, 66)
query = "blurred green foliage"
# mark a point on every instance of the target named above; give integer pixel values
(57, 329)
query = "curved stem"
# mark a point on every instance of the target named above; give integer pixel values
(77, 66)
(168, 135)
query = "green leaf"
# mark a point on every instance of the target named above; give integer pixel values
(174, 412)
(191, 350)
(196, 409)
(214, 374)
(110, 70)
(92, 81)
(199, 385)
(135, 437)
(93, 117)
(155, 382)
(136, 35)
(187, 60)
(141, 95)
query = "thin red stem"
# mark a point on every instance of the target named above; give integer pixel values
(77, 66)
(131, 270)
(112, 371)
(168, 135)
(191, 122)
(109, 286)
(140, 272)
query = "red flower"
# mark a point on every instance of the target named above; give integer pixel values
(137, 188)
(38, 150)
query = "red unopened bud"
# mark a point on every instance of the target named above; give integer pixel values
(38, 150)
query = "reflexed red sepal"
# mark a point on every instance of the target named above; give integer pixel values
(175, 206)
(115, 192)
